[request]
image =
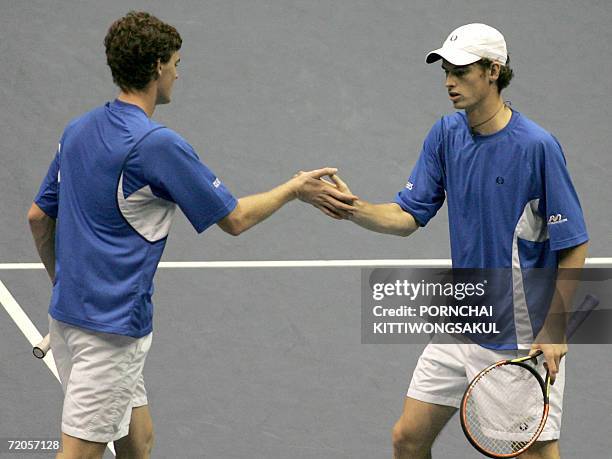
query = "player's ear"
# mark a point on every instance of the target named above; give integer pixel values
(159, 67)
(494, 71)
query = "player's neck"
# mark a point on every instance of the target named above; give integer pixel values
(489, 116)
(143, 99)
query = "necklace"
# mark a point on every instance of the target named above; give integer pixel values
(488, 119)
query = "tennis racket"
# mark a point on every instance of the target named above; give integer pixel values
(505, 407)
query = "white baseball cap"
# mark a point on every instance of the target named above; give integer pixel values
(470, 43)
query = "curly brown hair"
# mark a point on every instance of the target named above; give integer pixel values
(134, 43)
(505, 72)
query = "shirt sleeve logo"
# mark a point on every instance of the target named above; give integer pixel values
(216, 183)
(409, 185)
(556, 218)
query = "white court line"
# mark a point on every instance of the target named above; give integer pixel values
(303, 263)
(26, 326)
(421, 263)
(30, 331)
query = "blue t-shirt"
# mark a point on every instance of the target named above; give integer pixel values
(511, 205)
(113, 186)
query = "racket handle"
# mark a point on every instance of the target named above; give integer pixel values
(41, 349)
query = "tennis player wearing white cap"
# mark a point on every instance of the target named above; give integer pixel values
(511, 204)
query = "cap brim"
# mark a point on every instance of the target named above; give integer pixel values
(454, 56)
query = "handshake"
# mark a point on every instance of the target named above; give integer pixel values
(332, 198)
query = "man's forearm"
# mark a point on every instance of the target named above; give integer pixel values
(306, 186)
(256, 208)
(383, 218)
(43, 231)
(567, 281)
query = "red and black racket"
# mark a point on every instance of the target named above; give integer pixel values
(505, 407)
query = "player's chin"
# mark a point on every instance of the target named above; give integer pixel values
(163, 99)
(459, 104)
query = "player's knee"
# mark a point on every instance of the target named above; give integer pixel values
(145, 446)
(77, 448)
(136, 448)
(407, 440)
(151, 441)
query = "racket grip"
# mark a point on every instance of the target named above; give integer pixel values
(41, 349)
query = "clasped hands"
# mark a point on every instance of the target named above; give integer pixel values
(332, 198)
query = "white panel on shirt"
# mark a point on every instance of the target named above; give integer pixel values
(150, 215)
(530, 227)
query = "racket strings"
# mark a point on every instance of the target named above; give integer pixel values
(504, 409)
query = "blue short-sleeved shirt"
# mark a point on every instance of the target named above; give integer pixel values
(113, 186)
(511, 204)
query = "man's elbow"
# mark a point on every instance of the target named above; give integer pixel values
(36, 215)
(232, 224)
(234, 230)
(405, 232)
(408, 225)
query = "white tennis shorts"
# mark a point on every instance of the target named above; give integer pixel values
(448, 364)
(101, 375)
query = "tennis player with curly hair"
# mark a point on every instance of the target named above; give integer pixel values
(100, 223)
